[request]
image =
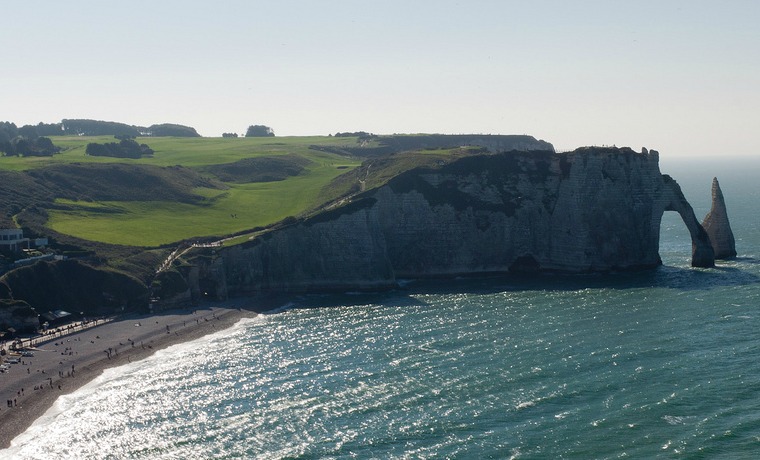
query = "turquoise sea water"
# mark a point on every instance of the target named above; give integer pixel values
(663, 363)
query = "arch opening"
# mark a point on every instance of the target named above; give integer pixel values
(702, 253)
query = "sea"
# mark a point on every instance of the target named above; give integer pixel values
(656, 364)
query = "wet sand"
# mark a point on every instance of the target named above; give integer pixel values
(64, 364)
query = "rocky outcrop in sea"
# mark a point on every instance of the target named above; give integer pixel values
(717, 226)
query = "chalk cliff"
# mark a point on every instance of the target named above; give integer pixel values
(717, 226)
(590, 210)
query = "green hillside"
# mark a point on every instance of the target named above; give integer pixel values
(195, 188)
(239, 184)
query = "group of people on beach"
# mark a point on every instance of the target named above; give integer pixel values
(48, 381)
(45, 334)
(24, 347)
(68, 348)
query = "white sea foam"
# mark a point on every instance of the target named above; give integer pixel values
(525, 405)
(280, 309)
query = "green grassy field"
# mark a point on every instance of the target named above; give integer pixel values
(185, 151)
(222, 212)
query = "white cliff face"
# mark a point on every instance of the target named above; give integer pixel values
(717, 226)
(585, 211)
(607, 212)
(348, 251)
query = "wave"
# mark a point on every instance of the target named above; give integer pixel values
(281, 309)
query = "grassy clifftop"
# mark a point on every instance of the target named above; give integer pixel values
(204, 188)
(190, 187)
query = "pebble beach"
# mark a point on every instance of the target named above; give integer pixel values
(66, 362)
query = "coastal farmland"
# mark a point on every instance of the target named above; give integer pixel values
(226, 208)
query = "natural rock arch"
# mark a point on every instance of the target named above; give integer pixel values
(702, 253)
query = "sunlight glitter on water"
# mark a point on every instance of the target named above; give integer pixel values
(485, 373)
(573, 366)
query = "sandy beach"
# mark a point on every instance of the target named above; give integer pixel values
(63, 364)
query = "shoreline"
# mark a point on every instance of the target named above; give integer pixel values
(64, 364)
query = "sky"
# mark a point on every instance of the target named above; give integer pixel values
(681, 77)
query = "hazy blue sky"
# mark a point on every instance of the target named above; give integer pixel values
(679, 76)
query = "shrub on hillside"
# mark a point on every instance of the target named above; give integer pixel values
(74, 286)
(168, 284)
(125, 148)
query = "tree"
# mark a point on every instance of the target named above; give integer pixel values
(229, 135)
(45, 147)
(83, 127)
(97, 150)
(259, 131)
(24, 141)
(6, 146)
(173, 130)
(8, 132)
(49, 129)
(21, 146)
(9, 129)
(28, 131)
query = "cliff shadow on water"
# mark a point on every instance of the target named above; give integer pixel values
(408, 294)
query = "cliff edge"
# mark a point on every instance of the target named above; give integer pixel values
(590, 210)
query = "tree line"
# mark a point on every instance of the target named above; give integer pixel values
(34, 140)
(85, 127)
(24, 141)
(359, 134)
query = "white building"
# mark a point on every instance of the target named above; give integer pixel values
(12, 240)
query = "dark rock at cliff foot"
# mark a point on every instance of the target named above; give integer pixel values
(717, 227)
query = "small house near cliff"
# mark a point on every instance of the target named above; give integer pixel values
(12, 240)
